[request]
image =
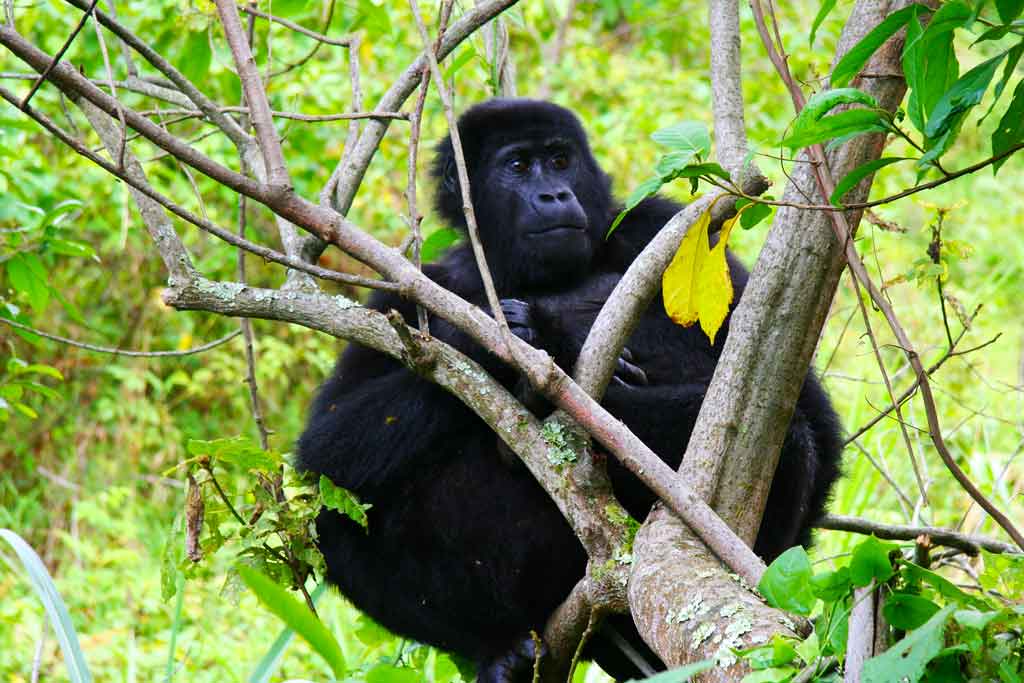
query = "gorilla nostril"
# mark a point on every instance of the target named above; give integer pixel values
(563, 196)
(546, 197)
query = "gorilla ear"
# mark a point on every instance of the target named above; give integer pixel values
(450, 177)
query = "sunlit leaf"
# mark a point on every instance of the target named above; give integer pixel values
(786, 583)
(238, 450)
(642, 192)
(438, 242)
(714, 285)
(679, 283)
(870, 561)
(687, 137)
(297, 616)
(1010, 131)
(907, 660)
(826, 7)
(344, 501)
(965, 94)
(814, 125)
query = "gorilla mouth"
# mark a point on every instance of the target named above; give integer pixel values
(556, 229)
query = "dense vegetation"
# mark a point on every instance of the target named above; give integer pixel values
(91, 456)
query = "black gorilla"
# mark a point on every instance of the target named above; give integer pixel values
(464, 551)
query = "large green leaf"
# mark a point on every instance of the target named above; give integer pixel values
(854, 60)
(870, 561)
(907, 611)
(56, 611)
(929, 61)
(688, 137)
(1010, 131)
(196, 56)
(682, 673)
(907, 660)
(28, 276)
(1009, 9)
(814, 124)
(297, 616)
(786, 583)
(826, 7)
(272, 658)
(965, 94)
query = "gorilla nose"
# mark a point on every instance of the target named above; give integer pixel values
(559, 196)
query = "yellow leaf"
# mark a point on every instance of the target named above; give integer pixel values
(714, 291)
(678, 284)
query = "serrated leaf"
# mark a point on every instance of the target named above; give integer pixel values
(1010, 131)
(853, 178)
(907, 660)
(688, 137)
(679, 283)
(297, 616)
(344, 501)
(907, 611)
(642, 192)
(826, 7)
(962, 96)
(854, 60)
(238, 450)
(786, 583)
(814, 125)
(870, 561)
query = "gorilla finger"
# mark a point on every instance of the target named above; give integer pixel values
(630, 374)
(517, 312)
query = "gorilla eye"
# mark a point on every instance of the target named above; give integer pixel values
(517, 165)
(560, 162)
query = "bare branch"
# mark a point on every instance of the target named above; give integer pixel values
(970, 544)
(60, 53)
(121, 352)
(319, 37)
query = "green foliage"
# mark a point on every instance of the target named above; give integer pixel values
(344, 501)
(814, 125)
(938, 631)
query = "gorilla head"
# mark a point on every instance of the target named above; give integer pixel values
(541, 201)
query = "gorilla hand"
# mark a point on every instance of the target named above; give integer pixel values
(626, 373)
(519, 319)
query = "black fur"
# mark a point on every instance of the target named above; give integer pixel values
(464, 551)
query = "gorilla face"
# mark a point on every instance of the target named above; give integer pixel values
(530, 210)
(540, 199)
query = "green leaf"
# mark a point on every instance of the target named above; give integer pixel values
(71, 248)
(943, 586)
(853, 178)
(388, 673)
(907, 660)
(26, 411)
(36, 369)
(826, 7)
(854, 60)
(831, 586)
(1009, 9)
(56, 611)
(272, 659)
(465, 54)
(642, 192)
(1010, 131)
(437, 242)
(28, 277)
(297, 616)
(786, 583)
(755, 214)
(929, 61)
(1012, 58)
(965, 94)
(813, 125)
(344, 501)
(682, 673)
(237, 450)
(688, 136)
(871, 561)
(907, 611)
(772, 675)
(196, 56)
(974, 619)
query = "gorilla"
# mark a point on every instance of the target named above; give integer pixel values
(465, 551)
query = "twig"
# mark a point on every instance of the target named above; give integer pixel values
(121, 352)
(256, 96)
(250, 355)
(122, 143)
(60, 53)
(415, 218)
(207, 226)
(308, 118)
(971, 544)
(460, 164)
(319, 37)
(905, 503)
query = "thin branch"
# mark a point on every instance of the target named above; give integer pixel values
(205, 104)
(308, 118)
(971, 544)
(60, 53)
(255, 403)
(319, 37)
(460, 164)
(123, 142)
(256, 96)
(121, 352)
(207, 226)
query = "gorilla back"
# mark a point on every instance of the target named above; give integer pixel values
(465, 551)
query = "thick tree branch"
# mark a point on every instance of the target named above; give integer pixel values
(969, 543)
